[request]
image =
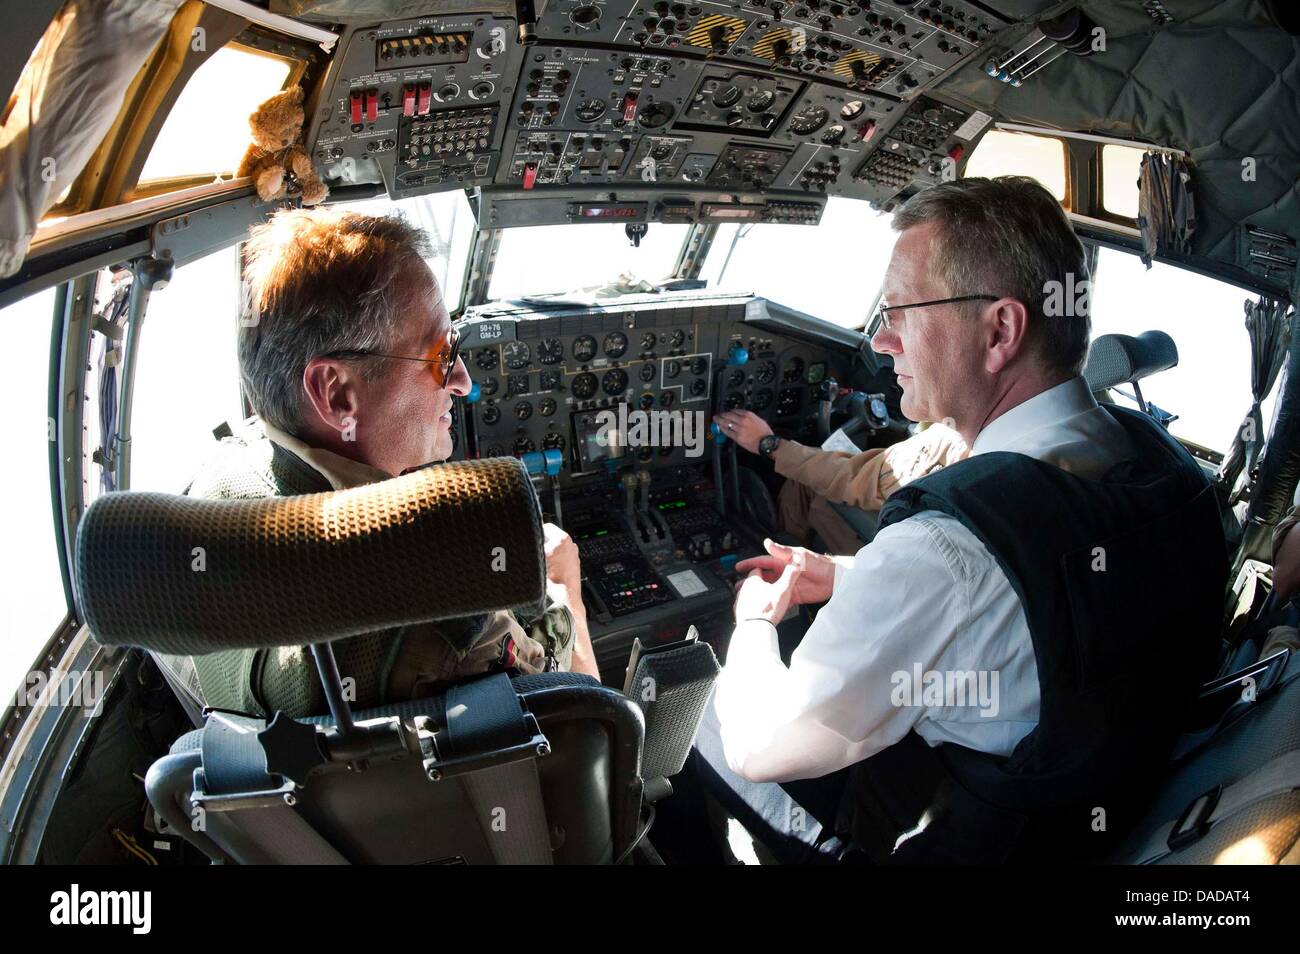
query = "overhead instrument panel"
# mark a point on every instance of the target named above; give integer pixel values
(892, 46)
(416, 104)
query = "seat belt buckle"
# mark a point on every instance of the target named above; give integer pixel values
(439, 763)
(1194, 822)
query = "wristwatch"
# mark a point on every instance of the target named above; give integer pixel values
(768, 445)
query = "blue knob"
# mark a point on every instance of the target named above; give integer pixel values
(729, 561)
(719, 436)
(554, 461)
(738, 355)
(475, 392)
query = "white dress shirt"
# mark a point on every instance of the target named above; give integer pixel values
(925, 596)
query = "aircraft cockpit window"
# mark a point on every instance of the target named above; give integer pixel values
(448, 221)
(556, 259)
(206, 132)
(1120, 168)
(832, 271)
(1002, 153)
(1209, 389)
(32, 575)
(187, 379)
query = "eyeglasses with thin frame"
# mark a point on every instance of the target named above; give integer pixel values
(441, 359)
(884, 310)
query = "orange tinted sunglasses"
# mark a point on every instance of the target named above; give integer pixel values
(441, 359)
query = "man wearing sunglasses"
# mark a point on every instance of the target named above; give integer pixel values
(349, 358)
(1002, 672)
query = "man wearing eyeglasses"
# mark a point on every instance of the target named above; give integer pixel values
(349, 358)
(1002, 672)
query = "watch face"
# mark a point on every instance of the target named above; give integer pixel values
(768, 445)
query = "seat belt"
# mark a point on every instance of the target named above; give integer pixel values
(1280, 775)
(273, 833)
(486, 716)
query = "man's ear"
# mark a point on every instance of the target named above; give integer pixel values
(331, 388)
(1006, 323)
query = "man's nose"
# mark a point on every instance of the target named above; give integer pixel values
(459, 383)
(886, 341)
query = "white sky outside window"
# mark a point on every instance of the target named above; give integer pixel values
(187, 379)
(206, 132)
(34, 602)
(1002, 153)
(832, 270)
(1120, 168)
(565, 258)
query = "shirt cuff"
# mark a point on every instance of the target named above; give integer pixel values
(842, 565)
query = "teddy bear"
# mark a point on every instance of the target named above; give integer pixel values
(275, 159)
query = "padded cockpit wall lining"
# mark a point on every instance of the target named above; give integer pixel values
(1237, 96)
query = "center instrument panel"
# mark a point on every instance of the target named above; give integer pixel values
(623, 396)
(758, 102)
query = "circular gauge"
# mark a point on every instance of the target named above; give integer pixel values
(647, 401)
(666, 399)
(648, 341)
(516, 354)
(792, 371)
(852, 110)
(647, 373)
(584, 386)
(550, 351)
(726, 97)
(614, 382)
(762, 399)
(496, 450)
(488, 386)
(735, 378)
(661, 152)
(833, 135)
(486, 359)
(524, 446)
(491, 414)
(584, 348)
(554, 442)
(766, 372)
(699, 387)
(615, 344)
(516, 384)
(761, 102)
(546, 407)
(699, 364)
(655, 115)
(672, 369)
(678, 338)
(816, 372)
(523, 410)
(548, 381)
(734, 400)
(591, 110)
(808, 120)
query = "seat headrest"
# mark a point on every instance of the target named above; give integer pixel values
(188, 575)
(1124, 359)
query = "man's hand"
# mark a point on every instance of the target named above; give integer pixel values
(744, 427)
(756, 598)
(1286, 566)
(811, 584)
(564, 586)
(562, 563)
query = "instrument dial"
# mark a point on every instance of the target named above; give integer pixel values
(648, 341)
(672, 369)
(548, 381)
(516, 384)
(523, 410)
(516, 354)
(550, 351)
(762, 399)
(486, 359)
(491, 414)
(488, 386)
(766, 372)
(584, 348)
(816, 372)
(524, 446)
(678, 338)
(833, 135)
(591, 110)
(554, 442)
(647, 373)
(615, 344)
(647, 401)
(699, 364)
(699, 387)
(735, 378)
(546, 407)
(584, 386)
(852, 110)
(614, 382)
(761, 102)
(808, 120)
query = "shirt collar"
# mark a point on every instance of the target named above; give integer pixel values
(342, 472)
(1027, 425)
